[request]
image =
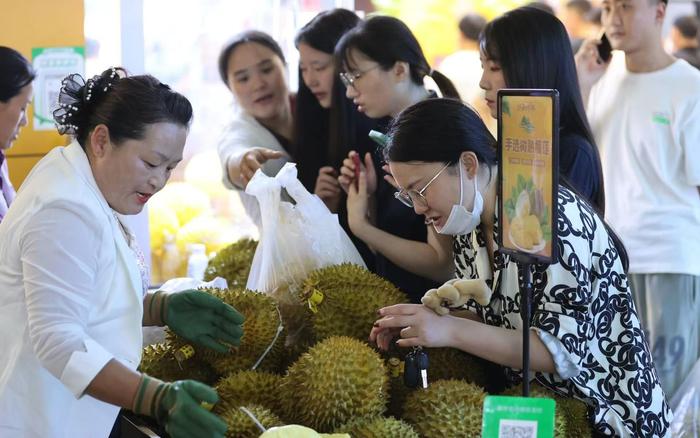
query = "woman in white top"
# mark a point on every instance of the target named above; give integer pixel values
(73, 284)
(260, 135)
(16, 76)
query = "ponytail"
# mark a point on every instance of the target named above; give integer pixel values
(447, 88)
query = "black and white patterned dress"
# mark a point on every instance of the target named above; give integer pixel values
(584, 314)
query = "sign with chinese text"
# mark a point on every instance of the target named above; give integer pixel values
(518, 417)
(528, 132)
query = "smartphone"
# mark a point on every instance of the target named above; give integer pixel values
(604, 48)
(356, 162)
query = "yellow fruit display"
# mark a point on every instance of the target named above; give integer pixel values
(215, 233)
(186, 200)
(337, 380)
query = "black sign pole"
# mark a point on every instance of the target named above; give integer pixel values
(525, 297)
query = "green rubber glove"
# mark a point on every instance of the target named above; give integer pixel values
(179, 407)
(204, 319)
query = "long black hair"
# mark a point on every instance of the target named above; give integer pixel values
(323, 136)
(387, 40)
(127, 105)
(15, 73)
(534, 51)
(440, 130)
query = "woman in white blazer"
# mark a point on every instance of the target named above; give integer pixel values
(260, 134)
(16, 76)
(73, 284)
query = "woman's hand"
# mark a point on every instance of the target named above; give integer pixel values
(204, 319)
(347, 173)
(416, 324)
(358, 205)
(589, 66)
(253, 160)
(328, 188)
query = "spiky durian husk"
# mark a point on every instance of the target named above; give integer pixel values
(157, 360)
(249, 387)
(570, 415)
(337, 380)
(233, 263)
(259, 330)
(576, 414)
(451, 363)
(446, 408)
(351, 297)
(374, 427)
(240, 425)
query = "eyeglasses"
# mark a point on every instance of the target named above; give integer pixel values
(348, 78)
(412, 198)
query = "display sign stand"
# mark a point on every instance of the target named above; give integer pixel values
(528, 132)
(528, 141)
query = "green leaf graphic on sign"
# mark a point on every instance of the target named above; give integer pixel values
(505, 106)
(527, 125)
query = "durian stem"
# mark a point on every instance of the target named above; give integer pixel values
(252, 417)
(280, 327)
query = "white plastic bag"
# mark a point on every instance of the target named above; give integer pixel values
(295, 238)
(685, 406)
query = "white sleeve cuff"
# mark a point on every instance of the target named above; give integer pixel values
(83, 366)
(563, 362)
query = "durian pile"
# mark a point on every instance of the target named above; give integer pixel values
(331, 380)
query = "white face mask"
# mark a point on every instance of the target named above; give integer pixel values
(460, 221)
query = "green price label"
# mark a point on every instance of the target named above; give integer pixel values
(509, 417)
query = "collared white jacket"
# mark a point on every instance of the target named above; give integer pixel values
(70, 300)
(242, 134)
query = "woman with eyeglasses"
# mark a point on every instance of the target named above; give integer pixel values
(384, 70)
(260, 135)
(586, 341)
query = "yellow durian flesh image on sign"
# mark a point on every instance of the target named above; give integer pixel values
(527, 173)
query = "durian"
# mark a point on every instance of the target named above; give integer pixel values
(260, 331)
(337, 380)
(158, 360)
(570, 417)
(448, 408)
(451, 363)
(378, 427)
(241, 425)
(346, 299)
(248, 387)
(232, 263)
